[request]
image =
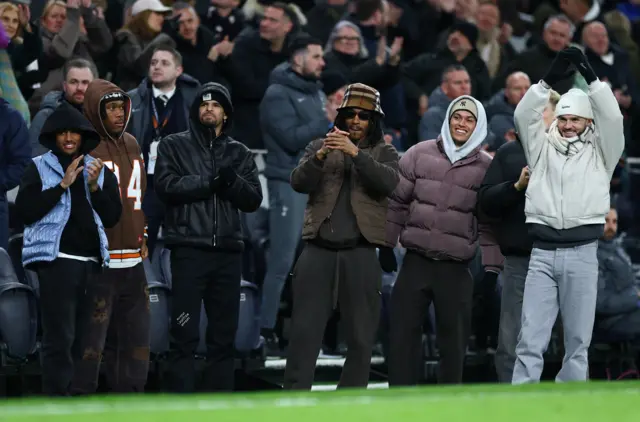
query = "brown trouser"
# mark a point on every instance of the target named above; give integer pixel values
(118, 315)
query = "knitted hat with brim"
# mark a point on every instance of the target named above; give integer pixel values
(362, 96)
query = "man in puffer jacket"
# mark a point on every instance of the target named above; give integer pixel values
(433, 211)
(567, 200)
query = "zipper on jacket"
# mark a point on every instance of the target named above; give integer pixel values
(329, 220)
(215, 197)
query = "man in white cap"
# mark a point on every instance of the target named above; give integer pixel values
(567, 200)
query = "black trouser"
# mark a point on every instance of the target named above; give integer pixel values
(63, 283)
(450, 286)
(323, 278)
(118, 314)
(212, 277)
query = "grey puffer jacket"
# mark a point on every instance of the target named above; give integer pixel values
(291, 116)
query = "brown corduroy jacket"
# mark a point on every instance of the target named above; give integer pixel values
(374, 177)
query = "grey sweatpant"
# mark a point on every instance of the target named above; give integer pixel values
(565, 280)
(513, 279)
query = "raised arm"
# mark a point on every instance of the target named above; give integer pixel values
(528, 114)
(305, 177)
(529, 122)
(608, 122)
(606, 111)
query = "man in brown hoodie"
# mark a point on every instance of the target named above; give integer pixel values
(119, 296)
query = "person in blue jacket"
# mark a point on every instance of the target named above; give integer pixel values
(66, 199)
(15, 154)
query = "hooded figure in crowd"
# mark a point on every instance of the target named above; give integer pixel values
(205, 179)
(120, 292)
(433, 213)
(567, 199)
(66, 200)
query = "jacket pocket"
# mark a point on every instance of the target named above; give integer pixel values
(183, 215)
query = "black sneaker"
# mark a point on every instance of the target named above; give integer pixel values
(272, 348)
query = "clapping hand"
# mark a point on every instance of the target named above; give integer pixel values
(339, 140)
(93, 171)
(72, 173)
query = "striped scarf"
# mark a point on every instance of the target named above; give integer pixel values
(9, 87)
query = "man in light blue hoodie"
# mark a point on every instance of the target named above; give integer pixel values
(567, 200)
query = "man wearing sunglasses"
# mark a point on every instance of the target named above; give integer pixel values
(348, 176)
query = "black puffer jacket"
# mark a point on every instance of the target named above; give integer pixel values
(187, 163)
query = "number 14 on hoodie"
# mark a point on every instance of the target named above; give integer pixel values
(134, 189)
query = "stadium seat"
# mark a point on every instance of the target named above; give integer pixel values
(160, 311)
(15, 252)
(18, 315)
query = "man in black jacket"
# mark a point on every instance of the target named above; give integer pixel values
(204, 177)
(502, 197)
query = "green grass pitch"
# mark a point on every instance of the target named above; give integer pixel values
(594, 401)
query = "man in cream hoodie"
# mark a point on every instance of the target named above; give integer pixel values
(566, 202)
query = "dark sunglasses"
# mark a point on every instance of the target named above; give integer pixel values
(362, 115)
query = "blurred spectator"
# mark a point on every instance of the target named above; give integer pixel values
(372, 18)
(455, 82)
(611, 65)
(160, 107)
(255, 54)
(77, 74)
(137, 40)
(293, 112)
(16, 154)
(581, 13)
(557, 33)
(9, 89)
(495, 54)
(334, 85)
(224, 19)
(26, 44)
(348, 176)
(501, 107)
(424, 73)
(195, 42)
(346, 54)
(620, 27)
(69, 30)
(324, 16)
(618, 304)
(438, 183)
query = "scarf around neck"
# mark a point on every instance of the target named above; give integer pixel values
(569, 146)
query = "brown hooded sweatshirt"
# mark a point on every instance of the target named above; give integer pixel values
(120, 153)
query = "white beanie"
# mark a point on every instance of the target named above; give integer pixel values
(575, 102)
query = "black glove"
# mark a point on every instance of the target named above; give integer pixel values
(490, 279)
(215, 183)
(560, 69)
(580, 61)
(228, 176)
(387, 259)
